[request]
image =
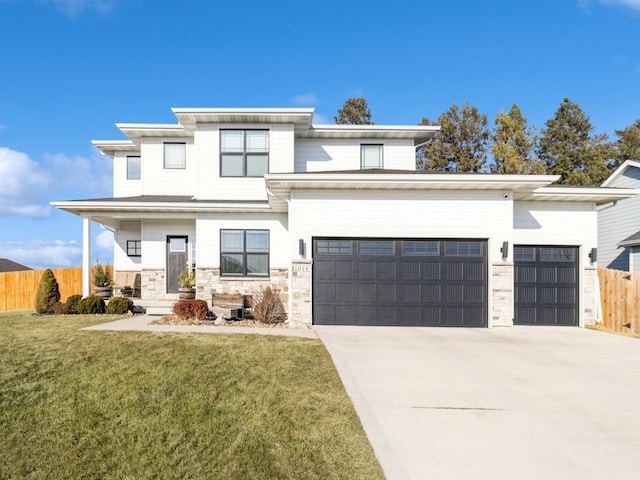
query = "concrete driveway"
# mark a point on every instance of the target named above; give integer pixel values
(519, 403)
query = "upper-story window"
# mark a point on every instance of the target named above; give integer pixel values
(175, 156)
(133, 168)
(244, 153)
(370, 156)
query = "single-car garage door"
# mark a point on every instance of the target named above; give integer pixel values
(419, 282)
(546, 285)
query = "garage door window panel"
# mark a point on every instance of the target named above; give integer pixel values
(375, 248)
(422, 248)
(463, 249)
(336, 247)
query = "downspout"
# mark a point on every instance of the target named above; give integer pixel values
(290, 274)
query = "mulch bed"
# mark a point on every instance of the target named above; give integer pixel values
(174, 320)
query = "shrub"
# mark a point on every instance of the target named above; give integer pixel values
(102, 275)
(72, 303)
(48, 292)
(91, 304)
(60, 308)
(119, 305)
(190, 309)
(267, 307)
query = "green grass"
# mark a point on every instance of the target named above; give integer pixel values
(136, 405)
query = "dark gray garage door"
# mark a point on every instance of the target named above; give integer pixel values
(546, 285)
(421, 282)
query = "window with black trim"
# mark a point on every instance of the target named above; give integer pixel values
(370, 156)
(244, 253)
(244, 153)
(133, 167)
(134, 248)
(175, 156)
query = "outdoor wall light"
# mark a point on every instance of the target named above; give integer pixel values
(301, 247)
(593, 255)
(505, 249)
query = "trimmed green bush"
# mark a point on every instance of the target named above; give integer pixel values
(48, 292)
(119, 305)
(91, 304)
(72, 303)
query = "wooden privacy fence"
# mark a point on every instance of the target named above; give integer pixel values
(620, 299)
(18, 289)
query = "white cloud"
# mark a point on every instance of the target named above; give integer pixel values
(633, 4)
(75, 7)
(27, 186)
(92, 176)
(104, 240)
(22, 185)
(305, 100)
(2, 126)
(39, 254)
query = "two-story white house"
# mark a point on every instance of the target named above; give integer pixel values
(338, 218)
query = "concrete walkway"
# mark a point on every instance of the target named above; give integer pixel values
(521, 403)
(142, 323)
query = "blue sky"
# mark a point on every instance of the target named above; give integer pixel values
(70, 69)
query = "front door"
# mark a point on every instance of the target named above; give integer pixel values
(177, 258)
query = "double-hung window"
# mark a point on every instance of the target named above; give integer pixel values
(175, 156)
(370, 156)
(244, 253)
(244, 153)
(133, 168)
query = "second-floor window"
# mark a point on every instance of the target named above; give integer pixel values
(133, 168)
(370, 156)
(244, 153)
(175, 156)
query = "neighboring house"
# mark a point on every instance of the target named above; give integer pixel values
(619, 222)
(7, 265)
(338, 219)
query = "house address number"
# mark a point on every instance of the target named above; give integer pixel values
(301, 268)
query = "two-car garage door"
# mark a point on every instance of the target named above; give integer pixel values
(420, 282)
(436, 282)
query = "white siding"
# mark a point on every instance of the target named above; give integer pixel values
(156, 180)
(317, 155)
(634, 259)
(127, 231)
(617, 221)
(154, 239)
(209, 184)
(208, 236)
(555, 223)
(413, 214)
(121, 186)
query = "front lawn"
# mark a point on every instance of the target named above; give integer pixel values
(134, 405)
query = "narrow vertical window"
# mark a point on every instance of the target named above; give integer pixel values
(370, 156)
(133, 168)
(175, 155)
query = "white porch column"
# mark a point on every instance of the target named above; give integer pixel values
(86, 256)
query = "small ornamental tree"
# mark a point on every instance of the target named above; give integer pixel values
(48, 293)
